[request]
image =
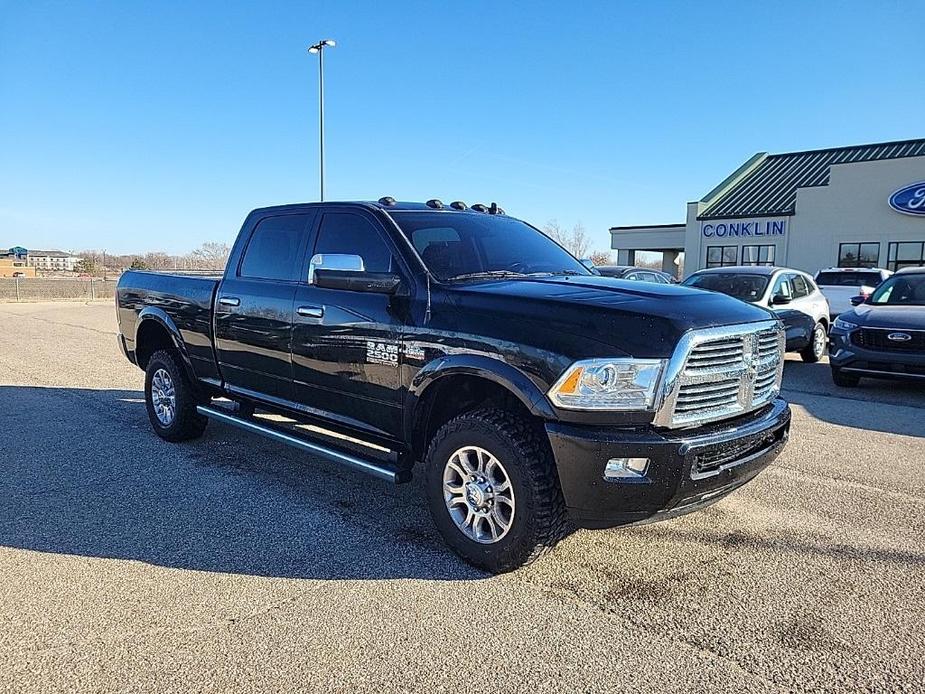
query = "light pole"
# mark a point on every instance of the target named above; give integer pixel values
(319, 49)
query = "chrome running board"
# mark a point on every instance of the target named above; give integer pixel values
(370, 467)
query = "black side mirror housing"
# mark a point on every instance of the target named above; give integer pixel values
(780, 300)
(358, 281)
(857, 300)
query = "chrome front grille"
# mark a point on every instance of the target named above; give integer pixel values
(695, 397)
(719, 373)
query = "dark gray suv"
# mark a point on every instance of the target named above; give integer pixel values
(883, 336)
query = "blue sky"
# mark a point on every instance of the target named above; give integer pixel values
(138, 126)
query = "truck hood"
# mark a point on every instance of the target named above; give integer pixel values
(869, 316)
(641, 319)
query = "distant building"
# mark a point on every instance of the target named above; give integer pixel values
(52, 260)
(10, 266)
(859, 206)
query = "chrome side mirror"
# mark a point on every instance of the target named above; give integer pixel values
(342, 262)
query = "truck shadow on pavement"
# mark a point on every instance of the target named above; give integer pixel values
(85, 475)
(892, 407)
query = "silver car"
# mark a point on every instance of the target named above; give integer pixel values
(791, 294)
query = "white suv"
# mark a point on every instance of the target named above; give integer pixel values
(791, 294)
(839, 284)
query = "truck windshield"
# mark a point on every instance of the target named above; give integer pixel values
(902, 290)
(745, 287)
(470, 245)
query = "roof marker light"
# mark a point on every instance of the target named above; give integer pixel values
(387, 200)
(436, 204)
(458, 205)
(479, 207)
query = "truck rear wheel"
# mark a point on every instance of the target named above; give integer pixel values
(493, 491)
(171, 400)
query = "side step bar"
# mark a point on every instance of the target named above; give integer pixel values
(383, 472)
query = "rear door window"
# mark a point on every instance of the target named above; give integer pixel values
(799, 286)
(273, 250)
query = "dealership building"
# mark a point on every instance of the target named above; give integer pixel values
(859, 206)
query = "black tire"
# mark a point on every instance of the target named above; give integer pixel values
(809, 353)
(539, 520)
(844, 380)
(186, 423)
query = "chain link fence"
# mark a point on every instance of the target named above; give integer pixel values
(40, 289)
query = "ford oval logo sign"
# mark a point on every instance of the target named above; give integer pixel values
(899, 337)
(909, 200)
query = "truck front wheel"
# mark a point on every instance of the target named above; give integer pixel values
(171, 400)
(493, 491)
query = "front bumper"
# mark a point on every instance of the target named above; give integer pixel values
(851, 358)
(687, 469)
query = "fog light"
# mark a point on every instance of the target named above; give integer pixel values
(626, 468)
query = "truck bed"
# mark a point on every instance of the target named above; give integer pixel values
(185, 298)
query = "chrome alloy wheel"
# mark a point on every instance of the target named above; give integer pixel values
(478, 494)
(163, 397)
(819, 340)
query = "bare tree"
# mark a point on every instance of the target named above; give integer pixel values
(601, 258)
(649, 263)
(157, 260)
(576, 240)
(211, 255)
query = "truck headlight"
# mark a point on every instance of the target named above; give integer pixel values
(608, 384)
(844, 324)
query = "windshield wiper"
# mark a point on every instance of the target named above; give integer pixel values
(488, 273)
(557, 273)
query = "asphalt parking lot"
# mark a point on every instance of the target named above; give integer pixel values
(232, 563)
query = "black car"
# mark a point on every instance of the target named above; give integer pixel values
(640, 274)
(528, 391)
(883, 336)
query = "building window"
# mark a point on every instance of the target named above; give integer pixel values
(758, 255)
(858, 254)
(722, 256)
(902, 254)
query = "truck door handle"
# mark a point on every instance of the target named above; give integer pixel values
(311, 311)
(229, 301)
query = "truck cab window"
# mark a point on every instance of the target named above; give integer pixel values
(345, 232)
(272, 251)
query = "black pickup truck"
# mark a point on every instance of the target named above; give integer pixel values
(536, 395)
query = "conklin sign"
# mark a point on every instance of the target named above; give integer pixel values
(745, 227)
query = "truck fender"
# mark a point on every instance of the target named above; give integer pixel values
(153, 313)
(489, 368)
